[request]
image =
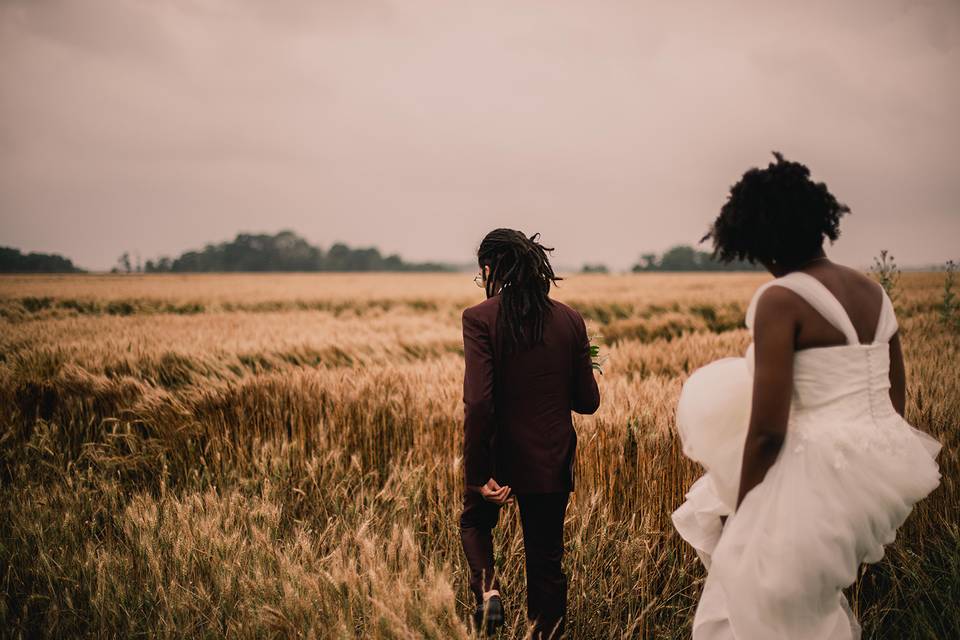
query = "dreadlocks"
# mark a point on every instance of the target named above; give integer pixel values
(520, 266)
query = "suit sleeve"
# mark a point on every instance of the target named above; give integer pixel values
(479, 424)
(585, 395)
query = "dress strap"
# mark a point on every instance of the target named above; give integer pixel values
(752, 307)
(887, 325)
(817, 296)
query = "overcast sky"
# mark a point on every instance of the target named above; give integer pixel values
(613, 128)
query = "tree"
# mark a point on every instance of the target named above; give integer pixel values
(680, 258)
(13, 261)
(284, 251)
(123, 264)
(594, 268)
(686, 258)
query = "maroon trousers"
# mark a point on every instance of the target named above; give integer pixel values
(541, 515)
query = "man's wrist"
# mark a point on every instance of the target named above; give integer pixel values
(476, 479)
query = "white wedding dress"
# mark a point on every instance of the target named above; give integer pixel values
(848, 474)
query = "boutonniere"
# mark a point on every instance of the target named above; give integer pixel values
(596, 360)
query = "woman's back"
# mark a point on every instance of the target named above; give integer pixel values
(836, 358)
(860, 298)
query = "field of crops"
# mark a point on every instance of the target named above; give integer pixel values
(278, 456)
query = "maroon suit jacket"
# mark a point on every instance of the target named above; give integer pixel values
(517, 423)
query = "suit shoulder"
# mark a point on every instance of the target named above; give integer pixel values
(567, 311)
(569, 317)
(483, 310)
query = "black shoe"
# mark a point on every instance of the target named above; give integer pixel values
(489, 616)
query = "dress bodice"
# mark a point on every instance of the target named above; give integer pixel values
(853, 377)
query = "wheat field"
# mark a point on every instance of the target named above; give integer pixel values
(262, 456)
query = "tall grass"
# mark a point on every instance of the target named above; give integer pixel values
(284, 460)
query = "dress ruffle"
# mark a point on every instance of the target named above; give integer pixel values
(836, 495)
(847, 477)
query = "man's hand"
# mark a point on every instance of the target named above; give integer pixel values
(493, 492)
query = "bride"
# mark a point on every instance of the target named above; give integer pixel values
(811, 467)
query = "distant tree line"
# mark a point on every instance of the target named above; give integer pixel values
(284, 251)
(14, 261)
(686, 258)
(594, 268)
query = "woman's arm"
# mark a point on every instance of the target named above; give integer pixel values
(774, 331)
(898, 376)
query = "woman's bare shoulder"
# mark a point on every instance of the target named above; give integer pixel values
(777, 303)
(855, 278)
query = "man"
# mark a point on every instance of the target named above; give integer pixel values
(527, 365)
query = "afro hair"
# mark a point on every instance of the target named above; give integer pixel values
(776, 215)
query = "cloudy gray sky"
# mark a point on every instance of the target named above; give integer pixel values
(613, 128)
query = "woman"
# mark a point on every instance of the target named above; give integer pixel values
(804, 441)
(528, 365)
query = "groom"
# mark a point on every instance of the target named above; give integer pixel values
(524, 373)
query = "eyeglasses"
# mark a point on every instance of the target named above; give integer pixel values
(478, 279)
